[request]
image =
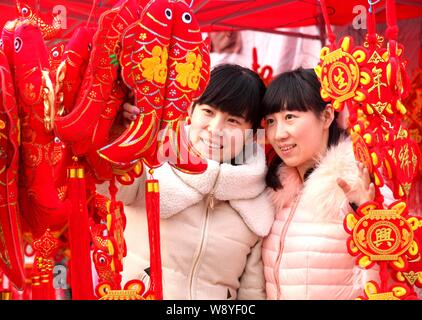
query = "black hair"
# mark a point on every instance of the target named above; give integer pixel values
(235, 90)
(297, 90)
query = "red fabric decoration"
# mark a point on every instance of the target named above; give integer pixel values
(371, 81)
(11, 255)
(413, 121)
(73, 66)
(403, 162)
(42, 271)
(55, 55)
(107, 230)
(133, 290)
(44, 157)
(152, 203)
(49, 31)
(167, 67)
(412, 274)
(394, 292)
(127, 175)
(126, 14)
(100, 78)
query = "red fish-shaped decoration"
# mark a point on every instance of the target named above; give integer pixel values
(44, 156)
(165, 63)
(11, 255)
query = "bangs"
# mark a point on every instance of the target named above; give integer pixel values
(293, 91)
(235, 91)
(233, 99)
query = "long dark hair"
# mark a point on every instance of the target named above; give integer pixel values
(235, 90)
(297, 90)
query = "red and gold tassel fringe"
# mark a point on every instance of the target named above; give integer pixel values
(152, 199)
(45, 248)
(79, 237)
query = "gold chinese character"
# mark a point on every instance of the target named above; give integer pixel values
(383, 235)
(377, 81)
(404, 158)
(340, 79)
(189, 73)
(155, 67)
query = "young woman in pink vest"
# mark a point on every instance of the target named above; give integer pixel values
(314, 178)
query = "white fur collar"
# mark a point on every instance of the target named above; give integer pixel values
(321, 194)
(243, 186)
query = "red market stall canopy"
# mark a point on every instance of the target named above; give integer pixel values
(268, 15)
(223, 15)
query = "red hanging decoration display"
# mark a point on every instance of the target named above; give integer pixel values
(371, 82)
(67, 102)
(379, 234)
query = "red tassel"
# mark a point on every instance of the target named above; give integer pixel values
(384, 275)
(152, 199)
(42, 270)
(79, 237)
(42, 279)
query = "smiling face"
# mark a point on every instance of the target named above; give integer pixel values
(298, 137)
(218, 135)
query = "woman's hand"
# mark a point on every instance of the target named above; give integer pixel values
(364, 191)
(130, 113)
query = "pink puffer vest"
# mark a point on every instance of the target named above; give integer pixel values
(305, 255)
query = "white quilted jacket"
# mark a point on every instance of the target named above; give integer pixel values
(212, 227)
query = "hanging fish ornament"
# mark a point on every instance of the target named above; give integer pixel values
(11, 255)
(48, 31)
(71, 70)
(44, 157)
(78, 126)
(165, 63)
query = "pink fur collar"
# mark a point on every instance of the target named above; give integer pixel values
(292, 183)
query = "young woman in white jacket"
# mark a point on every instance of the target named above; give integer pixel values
(212, 224)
